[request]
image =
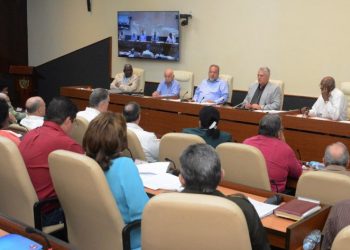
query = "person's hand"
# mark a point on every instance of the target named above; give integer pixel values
(248, 106)
(255, 106)
(304, 111)
(209, 101)
(155, 94)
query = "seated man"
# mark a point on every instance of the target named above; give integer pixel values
(148, 140)
(201, 173)
(169, 86)
(126, 81)
(14, 115)
(35, 107)
(38, 143)
(98, 102)
(263, 94)
(4, 123)
(213, 89)
(280, 159)
(209, 118)
(171, 38)
(336, 158)
(331, 104)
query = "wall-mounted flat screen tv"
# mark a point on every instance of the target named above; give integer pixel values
(149, 34)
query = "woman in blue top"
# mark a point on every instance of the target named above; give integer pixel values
(104, 141)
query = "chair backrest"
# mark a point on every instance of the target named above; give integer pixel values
(229, 80)
(342, 240)
(92, 216)
(79, 128)
(345, 88)
(172, 145)
(17, 193)
(243, 164)
(135, 147)
(325, 186)
(141, 74)
(193, 221)
(185, 79)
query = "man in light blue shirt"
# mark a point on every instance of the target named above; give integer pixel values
(213, 89)
(169, 86)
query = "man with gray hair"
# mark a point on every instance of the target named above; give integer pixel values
(263, 94)
(35, 108)
(336, 158)
(98, 102)
(281, 161)
(201, 173)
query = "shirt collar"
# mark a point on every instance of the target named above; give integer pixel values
(53, 125)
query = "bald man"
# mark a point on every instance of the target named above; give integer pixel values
(336, 158)
(169, 86)
(331, 104)
(36, 108)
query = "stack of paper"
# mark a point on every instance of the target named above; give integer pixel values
(154, 176)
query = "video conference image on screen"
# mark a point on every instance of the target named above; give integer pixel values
(148, 34)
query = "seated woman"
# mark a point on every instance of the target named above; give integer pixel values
(104, 141)
(208, 121)
(4, 123)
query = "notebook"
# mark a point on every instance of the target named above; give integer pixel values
(297, 209)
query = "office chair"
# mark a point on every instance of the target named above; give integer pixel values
(325, 186)
(18, 197)
(243, 164)
(193, 221)
(172, 145)
(92, 216)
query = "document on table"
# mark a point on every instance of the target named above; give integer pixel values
(161, 181)
(263, 209)
(153, 168)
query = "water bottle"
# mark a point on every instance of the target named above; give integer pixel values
(315, 165)
(312, 240)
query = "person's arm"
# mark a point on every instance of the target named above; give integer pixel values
(333, 106)
(116, 82)
(294, 165)
(223, 92)
(257, 233)
(314, 110)
(131, 86)
(276, 100)
(134, 193)
(176, 90)
(157, 93)
(153, 146)
(248, 98)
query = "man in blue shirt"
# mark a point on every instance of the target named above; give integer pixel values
(213, 89)
(169, 86)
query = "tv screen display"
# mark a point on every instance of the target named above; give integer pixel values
(149, 34)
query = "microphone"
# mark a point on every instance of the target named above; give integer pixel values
(182, 99)
(238, 105)
(202, 99)
(31, 230)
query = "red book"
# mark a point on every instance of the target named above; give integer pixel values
(297, 209)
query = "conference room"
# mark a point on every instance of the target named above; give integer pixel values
(71, 48)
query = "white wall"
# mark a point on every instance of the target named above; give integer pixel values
(301, 41)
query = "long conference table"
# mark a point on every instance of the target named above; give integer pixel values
(308, 137)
